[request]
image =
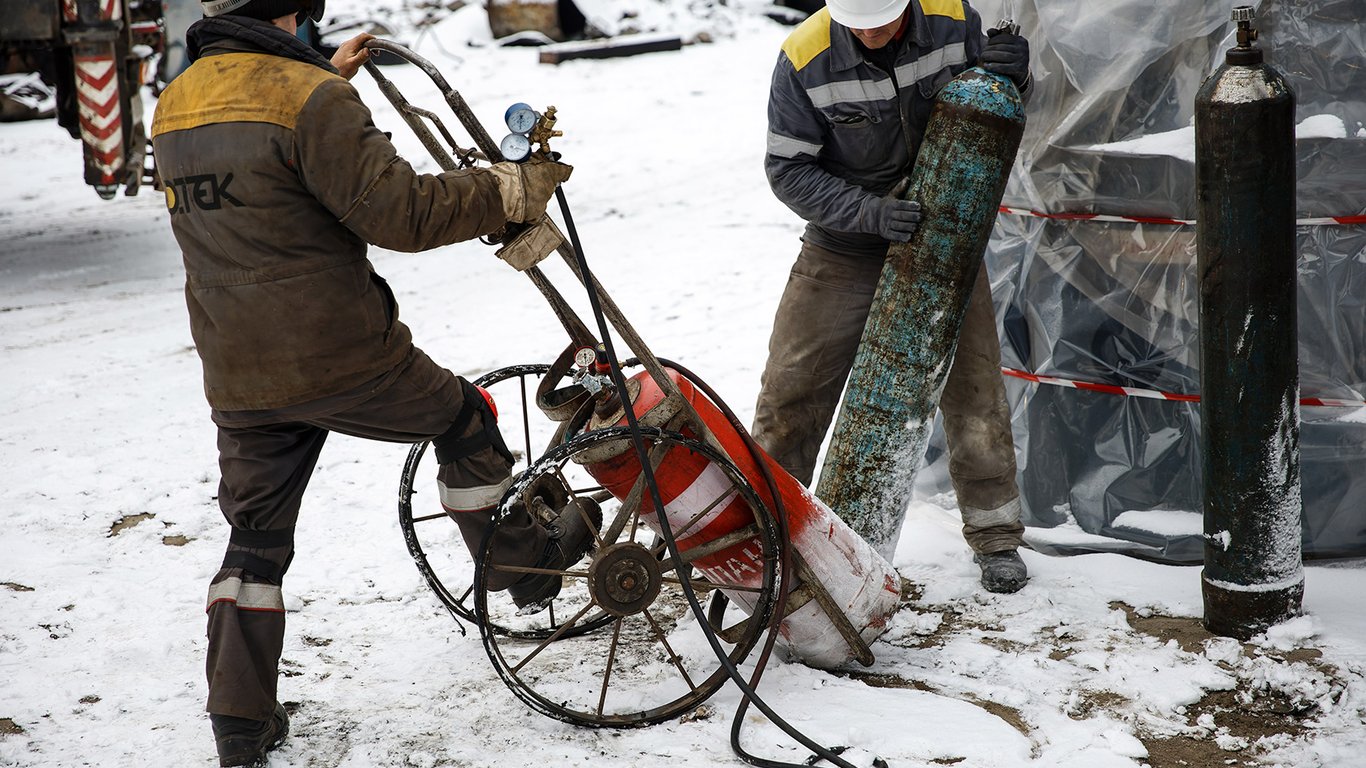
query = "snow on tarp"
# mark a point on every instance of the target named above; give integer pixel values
(1116, 302)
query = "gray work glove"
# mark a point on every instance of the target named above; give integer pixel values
(527, 187)
(1008, 55)
(891, 217)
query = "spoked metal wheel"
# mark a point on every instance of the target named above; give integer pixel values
(432, 537)
(651, 661)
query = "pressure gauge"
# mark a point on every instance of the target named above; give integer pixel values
(585, 357)
(515, 147)
(521, 118)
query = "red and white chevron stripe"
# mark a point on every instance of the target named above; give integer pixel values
(110, 10)
(1320, 221)
(1111, 389)
(97, 95)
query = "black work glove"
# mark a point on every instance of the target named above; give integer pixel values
(1007, 54)
(893, 218)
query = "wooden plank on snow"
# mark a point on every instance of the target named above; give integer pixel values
(621, 45)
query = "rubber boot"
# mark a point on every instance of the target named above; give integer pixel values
(572, 534)
(1003, 572)
(243, 742)
(518, 540)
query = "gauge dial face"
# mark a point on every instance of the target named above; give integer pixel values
(521, 118)
(515, 147)
(585, 357)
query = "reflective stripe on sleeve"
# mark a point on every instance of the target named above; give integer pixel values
(249, 596)
(865, 91)
(851, 92)
(932, 62)
(472, 499)
(784, 146)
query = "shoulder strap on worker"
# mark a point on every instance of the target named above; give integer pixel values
(241, 540)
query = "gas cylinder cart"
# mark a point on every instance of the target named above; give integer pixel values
(626, 642)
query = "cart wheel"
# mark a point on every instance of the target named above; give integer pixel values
(433, 539)
(651, 661)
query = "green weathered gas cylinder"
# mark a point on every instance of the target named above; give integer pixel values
(908, 343)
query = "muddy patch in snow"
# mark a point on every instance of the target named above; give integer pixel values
(1248, 700)
(1278, 696)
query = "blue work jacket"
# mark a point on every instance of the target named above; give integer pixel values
(842, 130)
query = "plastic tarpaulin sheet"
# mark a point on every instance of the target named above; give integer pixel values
(1114, 299)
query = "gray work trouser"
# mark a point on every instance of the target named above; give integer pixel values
(815, 336)
(266, 459)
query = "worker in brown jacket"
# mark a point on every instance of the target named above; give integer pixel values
(276, 179)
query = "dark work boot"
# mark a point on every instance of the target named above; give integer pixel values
(1002, 572)
(571, 536)
(243, 742)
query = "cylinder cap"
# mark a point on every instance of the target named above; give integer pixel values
(1245, 54)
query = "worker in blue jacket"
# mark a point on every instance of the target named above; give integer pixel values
(848, 106)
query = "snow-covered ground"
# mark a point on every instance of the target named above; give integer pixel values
(111, 531)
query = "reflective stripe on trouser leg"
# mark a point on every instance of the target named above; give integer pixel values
(246, 624)
(479, 497)
(993, 530)
(977, 430)
(265, 471)
(475, 472)
(247, 596)
(811, 350)
(246, 630)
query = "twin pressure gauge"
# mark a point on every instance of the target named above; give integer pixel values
(528, 127)
(520, 119)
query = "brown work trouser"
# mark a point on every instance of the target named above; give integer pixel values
(266, 459)
(815, 336)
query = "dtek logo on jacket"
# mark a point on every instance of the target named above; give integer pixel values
(205, 192)
(222, 113)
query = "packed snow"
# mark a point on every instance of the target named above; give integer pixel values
(1165, 522)
(112, 531)
(1180, 143)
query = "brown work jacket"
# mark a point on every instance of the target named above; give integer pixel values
(276, 179)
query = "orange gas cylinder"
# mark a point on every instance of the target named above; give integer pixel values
(703, 506)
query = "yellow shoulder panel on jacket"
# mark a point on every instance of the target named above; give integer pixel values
(951, 8)
(237, 87)
(810, 39)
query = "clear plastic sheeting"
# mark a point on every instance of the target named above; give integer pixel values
(1116, 301)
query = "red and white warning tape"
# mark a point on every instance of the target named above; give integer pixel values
(1111, 389)
(1319, 221)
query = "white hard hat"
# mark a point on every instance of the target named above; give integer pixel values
(866, 14)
